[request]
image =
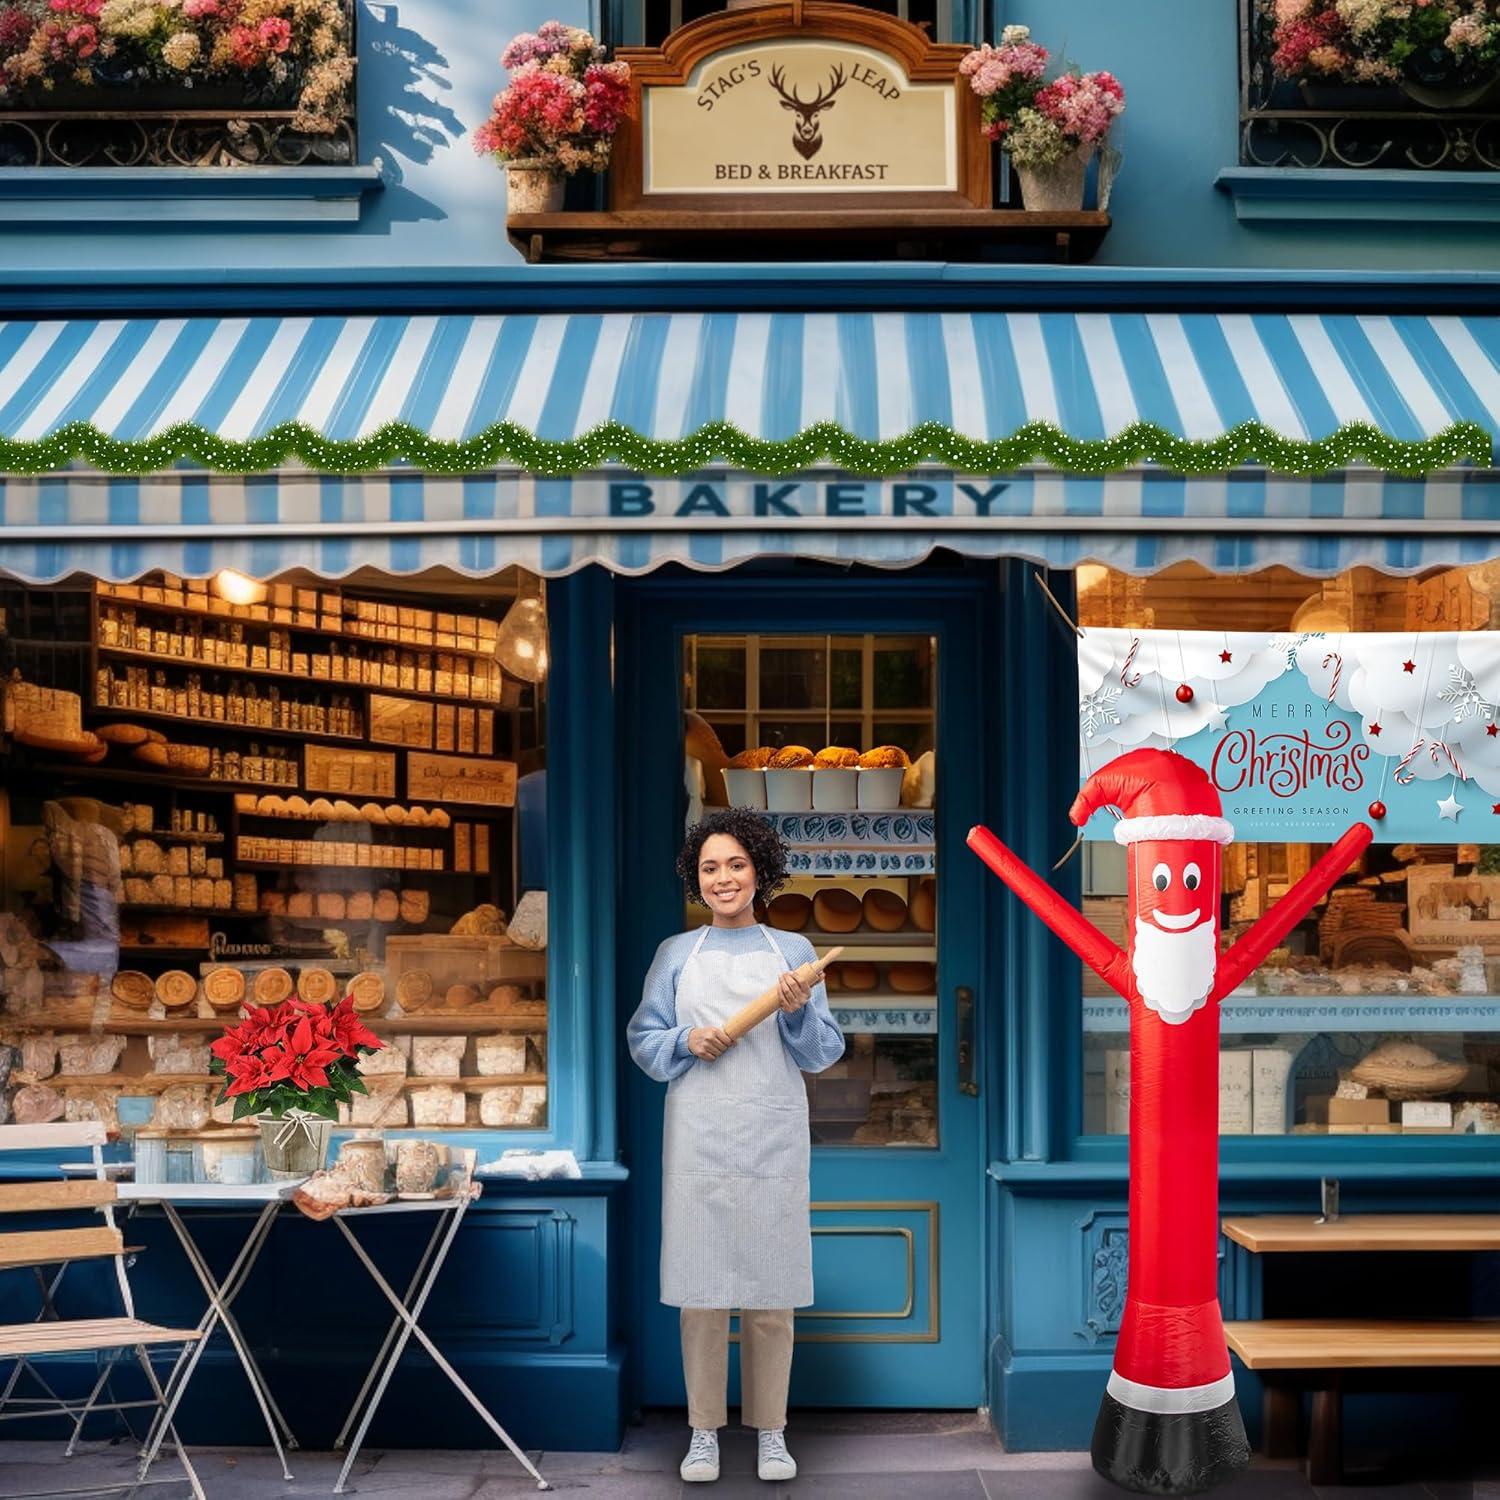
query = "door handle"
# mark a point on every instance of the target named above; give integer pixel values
(967, 1083)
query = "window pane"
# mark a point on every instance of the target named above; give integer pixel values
(913, 736)
(720, 679)
(848, 679)
(1411, 934)
(731, 733)
(793, 677)
(903, 675)
(664, 16)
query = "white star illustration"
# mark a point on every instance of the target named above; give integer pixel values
(1449, 808)
(1217, 719)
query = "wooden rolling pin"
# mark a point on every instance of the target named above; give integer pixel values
(768, 1004)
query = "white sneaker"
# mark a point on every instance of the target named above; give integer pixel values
(702, 1462)
(774, 1461)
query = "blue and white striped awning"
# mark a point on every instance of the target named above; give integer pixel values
(772, 375)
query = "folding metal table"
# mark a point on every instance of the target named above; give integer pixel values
(270, 1197)
(447, 1215)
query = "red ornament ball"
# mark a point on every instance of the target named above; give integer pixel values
(1377, 810)
(1184, 694)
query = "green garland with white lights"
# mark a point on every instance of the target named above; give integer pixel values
(720, 444)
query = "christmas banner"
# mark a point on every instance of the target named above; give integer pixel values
(1303, 733)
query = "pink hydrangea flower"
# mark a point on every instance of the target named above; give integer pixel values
(275, 34)
(200, 10)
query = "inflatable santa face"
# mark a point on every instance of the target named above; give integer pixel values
(1173, 905)
(1169, 1422)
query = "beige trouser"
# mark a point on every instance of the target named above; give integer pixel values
(765, 1365)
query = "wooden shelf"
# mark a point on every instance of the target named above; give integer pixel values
(164, 836)
(479, 653)
(147, 909)
(62, 770)
(456, 1025)
(964, 234)
(417, 1025)
(302, 736)
(338, 684)
(280, 866)
(878, 1000)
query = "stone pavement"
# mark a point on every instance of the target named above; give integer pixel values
(840, 1455)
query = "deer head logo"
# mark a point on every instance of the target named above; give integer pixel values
(806, 138)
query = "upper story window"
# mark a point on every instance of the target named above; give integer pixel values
(1370, 84)
(648, 22)
(201, 85)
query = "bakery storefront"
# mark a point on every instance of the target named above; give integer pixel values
(417, 716)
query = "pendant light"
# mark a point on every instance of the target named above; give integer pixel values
(521, 647)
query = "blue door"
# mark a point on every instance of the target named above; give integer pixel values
(897, 1161)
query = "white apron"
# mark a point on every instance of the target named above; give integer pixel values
(735, 1224)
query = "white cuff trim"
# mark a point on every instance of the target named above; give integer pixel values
(1171, 1400)
(1172, 826)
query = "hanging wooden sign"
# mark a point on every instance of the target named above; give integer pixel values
(800, 105)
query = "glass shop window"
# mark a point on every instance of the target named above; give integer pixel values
(218, 794)
(1380, 1013)
(659, 18)
(830, 702)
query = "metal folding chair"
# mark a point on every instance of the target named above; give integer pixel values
(108, 1339)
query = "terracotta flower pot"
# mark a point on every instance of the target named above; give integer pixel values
(1055, 189)
(533, 186)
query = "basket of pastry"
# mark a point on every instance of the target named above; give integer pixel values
(789, 779)
(745, 778)
(880, 774)
(835, 779)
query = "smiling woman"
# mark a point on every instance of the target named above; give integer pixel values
(736, 1229)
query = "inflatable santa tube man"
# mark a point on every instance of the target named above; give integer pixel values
(1169, 1423)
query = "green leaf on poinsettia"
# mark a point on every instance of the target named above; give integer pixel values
(338, 1085)
(246, 1104)
(356, 1084)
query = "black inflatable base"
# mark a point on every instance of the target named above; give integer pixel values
(1178, 1454)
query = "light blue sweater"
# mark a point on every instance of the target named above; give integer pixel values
(659, 1045)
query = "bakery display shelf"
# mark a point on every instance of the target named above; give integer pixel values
(479, 651)
(394, 870)
(261, 731)
(150, 909)
(164, 781)
(458, 813)
(490, 1081)
(882, 999)
(1268, 1015)
(136, 1083)
(910, 945)
(454, 1025)
(130, 956)
(275, 674)
(168, 836)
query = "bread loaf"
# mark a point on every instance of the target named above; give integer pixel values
(884, 911)
(836, 910)
(924, 904)
(790, 911)
(414, 989)
(387, 905)
(360, 906)
(912, 979)
(367, 991)
(317, 986)
(331, 906)
(272, 986)
(858, 976)
(176, 988)
(299, 904)
(132, 989)
(224, 988)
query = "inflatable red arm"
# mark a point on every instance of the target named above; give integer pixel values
(1252, 949)
(1091, 945)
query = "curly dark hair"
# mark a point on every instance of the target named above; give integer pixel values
(760, 840)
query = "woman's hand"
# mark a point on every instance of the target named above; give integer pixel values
(795, 991)
(709, 1042)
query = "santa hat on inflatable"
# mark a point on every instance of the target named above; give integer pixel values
(1164, 796)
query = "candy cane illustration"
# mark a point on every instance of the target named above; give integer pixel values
(1169, 1422)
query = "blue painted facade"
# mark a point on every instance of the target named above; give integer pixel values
(552, 1277)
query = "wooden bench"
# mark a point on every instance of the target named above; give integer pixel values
(1327, 1356)
(1300, 1354)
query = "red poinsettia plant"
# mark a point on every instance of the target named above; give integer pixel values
(294, 1056)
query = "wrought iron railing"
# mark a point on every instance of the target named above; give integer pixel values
(115, 122)
(1425, 121)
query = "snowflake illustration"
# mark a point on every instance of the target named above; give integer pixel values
(1096, 710)
(1464, 695)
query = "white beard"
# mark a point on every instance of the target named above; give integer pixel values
(1174, 971)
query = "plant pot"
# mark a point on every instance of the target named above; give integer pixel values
(294, 1144)
(1453, 95)
(1058, 188)
(1350, 98)
(532, 187)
